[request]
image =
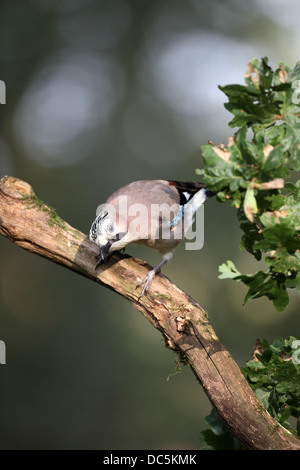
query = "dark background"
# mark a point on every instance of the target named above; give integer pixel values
(101, 93)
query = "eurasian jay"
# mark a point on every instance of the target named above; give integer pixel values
(155, 213)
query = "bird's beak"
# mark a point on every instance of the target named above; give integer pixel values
(104, 253)
(104, 249)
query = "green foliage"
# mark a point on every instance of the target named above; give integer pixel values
(274, 375)
(252, 175)
(217, 437)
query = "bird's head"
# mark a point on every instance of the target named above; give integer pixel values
(104, 233)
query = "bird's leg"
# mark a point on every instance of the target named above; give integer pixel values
(151, 274)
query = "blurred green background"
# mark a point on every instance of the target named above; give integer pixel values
(101, 93)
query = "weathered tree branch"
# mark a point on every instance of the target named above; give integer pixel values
(34, 226)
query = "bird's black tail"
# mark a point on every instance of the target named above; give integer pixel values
(188, 189)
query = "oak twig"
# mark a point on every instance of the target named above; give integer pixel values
(34, 226)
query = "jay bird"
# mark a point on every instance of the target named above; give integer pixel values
(165, 211)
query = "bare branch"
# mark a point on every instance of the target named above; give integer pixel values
(34, 226)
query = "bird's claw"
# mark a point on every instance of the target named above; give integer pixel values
(147, 281)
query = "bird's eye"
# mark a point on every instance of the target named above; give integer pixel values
(111, 228)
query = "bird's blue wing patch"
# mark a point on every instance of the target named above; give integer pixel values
(178, 217)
